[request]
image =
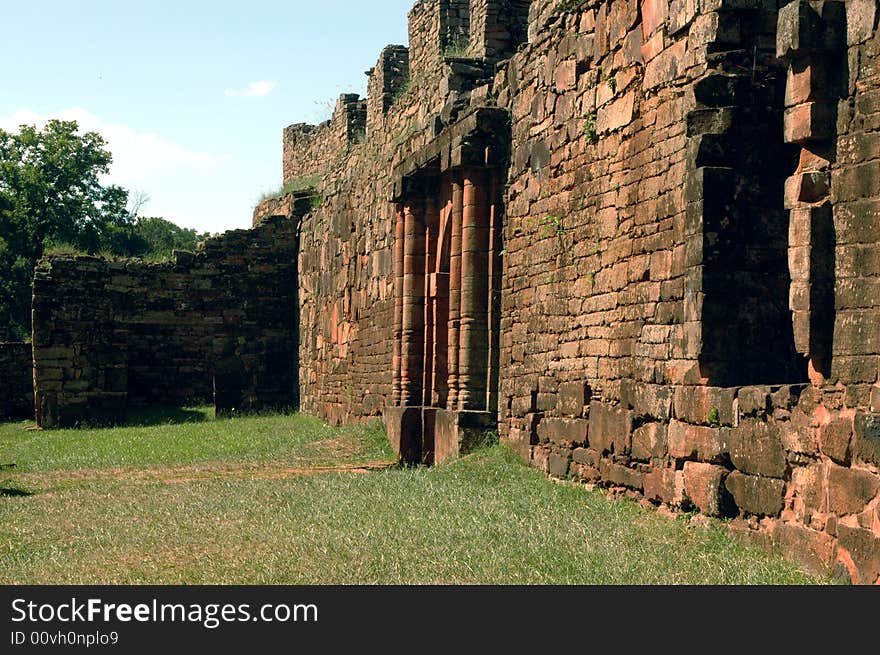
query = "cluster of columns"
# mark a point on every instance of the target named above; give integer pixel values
(447, 286)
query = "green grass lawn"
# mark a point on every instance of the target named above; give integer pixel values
(287, 500)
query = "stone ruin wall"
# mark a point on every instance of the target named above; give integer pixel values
(16, 381)
(690, 266)
(647, 338)
(111, 335)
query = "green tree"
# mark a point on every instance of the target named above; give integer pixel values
(158, 238)
(51, 192)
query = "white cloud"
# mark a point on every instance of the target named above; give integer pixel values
(253, 90)
(142, 161)
(136, 155)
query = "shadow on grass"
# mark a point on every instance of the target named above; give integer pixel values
(147, 416)
(14, 492)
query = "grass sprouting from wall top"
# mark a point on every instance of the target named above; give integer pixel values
(293, 186)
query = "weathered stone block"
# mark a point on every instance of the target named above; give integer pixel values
(860, 20)
(704, 485)
(587, 456)
(650, 441)
(863, 546)
(654, 13)
(756, 448)
(753, 401)
(617, 115)
(558, 464)
(756, 495)
(545, 402)
(572, 398)
(866, 443)
(667, 66)
(652, 401)
(665, 485)
(808, 487)
(849, 490)
(705, 444)
(621, 475)
(704, 405)
(816, 551)
(835, 439)
(681, 13)
(564, 431)
(610, 428)
(802, 30)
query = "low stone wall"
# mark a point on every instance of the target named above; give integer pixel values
(792, 463)
(16, 381)
(219, 323)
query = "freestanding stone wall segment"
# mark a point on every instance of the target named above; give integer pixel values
(217, 324)
(16, 381)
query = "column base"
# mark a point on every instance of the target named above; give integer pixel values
(458, 432)
(428, 435)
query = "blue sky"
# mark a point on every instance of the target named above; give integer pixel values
(192, 96)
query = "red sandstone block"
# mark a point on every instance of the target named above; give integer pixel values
(681, 13)
(705, 444)
(814, 550)
(621, 475)
(856, 182)
(703, 484)
(698, 404)
(799, 262)
(801, 30)
(585, 473)
(558, 464)
(572, 398)
(666, 66)
(801, 322)
(800, 227)
(811, 121)
(860, 20)
(863, 550)
(566, 74)
(610, 427)
(564, 431)
(587, 457)
(807, 82)
(756, 495)
(650, 441)
(835, 439)
(807, 187)
(850, 490)
(616, 115)
(756, 448)
(654, 13)
(665, 485)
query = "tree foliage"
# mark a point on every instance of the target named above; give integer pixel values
(156, 238)
(51, 194)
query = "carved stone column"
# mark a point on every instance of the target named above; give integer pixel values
(432, 225)
(455, 291)
(398, 304)
(474, 335)
(495, 281)
(412, 335)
